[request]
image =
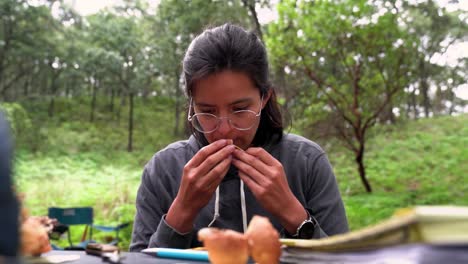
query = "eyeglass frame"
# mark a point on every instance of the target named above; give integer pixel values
(219, 119)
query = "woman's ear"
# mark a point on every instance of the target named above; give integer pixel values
(266, 97)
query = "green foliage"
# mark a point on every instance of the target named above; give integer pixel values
(178, 22)
(416, 163)
(50, 66)
(85, 164)
(79, 163)
(17, 116)
(27, 131)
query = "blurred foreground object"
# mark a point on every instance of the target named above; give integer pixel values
(434, 225)
(34, 238)
(224, 246)
(261, 241)
(34, 232)
(9, 237)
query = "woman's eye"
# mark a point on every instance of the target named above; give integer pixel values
(207, 111)
(235, 109)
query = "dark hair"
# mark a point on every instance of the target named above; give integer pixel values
(230, 47)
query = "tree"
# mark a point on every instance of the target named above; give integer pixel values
(24, 35)
(118, 39)
(436, 30)
(355, 64)
(175, 25)
(251, 8)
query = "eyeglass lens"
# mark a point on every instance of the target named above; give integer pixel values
(242, 120)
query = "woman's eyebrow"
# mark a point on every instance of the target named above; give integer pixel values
(203, 104)
(238, 101)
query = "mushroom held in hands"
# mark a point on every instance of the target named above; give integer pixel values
(263, 240)
(224, 246)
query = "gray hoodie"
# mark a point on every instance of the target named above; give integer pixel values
(310, 177)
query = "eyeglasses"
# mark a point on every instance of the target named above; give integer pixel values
(208, 123)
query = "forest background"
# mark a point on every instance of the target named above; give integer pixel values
(90, 98)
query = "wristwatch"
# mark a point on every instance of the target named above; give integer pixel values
(306, 228)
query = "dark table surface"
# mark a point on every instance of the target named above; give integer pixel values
(407, 254)
(129, 258)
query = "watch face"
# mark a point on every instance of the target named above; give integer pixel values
(307, 230)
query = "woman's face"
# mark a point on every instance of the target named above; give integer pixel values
(222, 94)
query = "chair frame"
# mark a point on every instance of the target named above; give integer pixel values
(83, 216)
(74, 216)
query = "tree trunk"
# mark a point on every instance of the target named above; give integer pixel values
(250, 5)
(451, 99)
(387, 115)
(26, 86)
(425, 94)
(122, 103)
(408, 106)
(111, 103)
(130, 124)
(93, 100)
(51, 107)
(414, 104)
(52, 101)
(361, 168)
(424, 87)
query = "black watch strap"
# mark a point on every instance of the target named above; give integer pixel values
(307, 228)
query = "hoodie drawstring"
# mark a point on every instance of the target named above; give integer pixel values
(243, 207)
(216, 210)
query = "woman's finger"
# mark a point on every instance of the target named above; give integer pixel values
(263, 155)
(216, 175)
(252, 172)
(253, 185)
(248, 160)
(206, 151)
(214, 159)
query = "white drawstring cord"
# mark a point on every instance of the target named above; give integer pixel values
(216, 209)
(243, 206)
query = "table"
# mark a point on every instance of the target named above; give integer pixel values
(130, 258)
(407, 254)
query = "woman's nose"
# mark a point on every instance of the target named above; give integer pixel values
(224, 126)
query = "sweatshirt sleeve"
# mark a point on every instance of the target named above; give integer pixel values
(149, 228)
(324, 201)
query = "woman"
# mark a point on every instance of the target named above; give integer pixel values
(238, 163)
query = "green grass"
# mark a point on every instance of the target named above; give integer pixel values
(78, 163)
(420, 162)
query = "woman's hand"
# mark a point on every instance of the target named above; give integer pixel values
(201, 176)
(265, 177)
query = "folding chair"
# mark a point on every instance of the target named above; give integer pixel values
(115, 229)
(82, 216)
(74, 216)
